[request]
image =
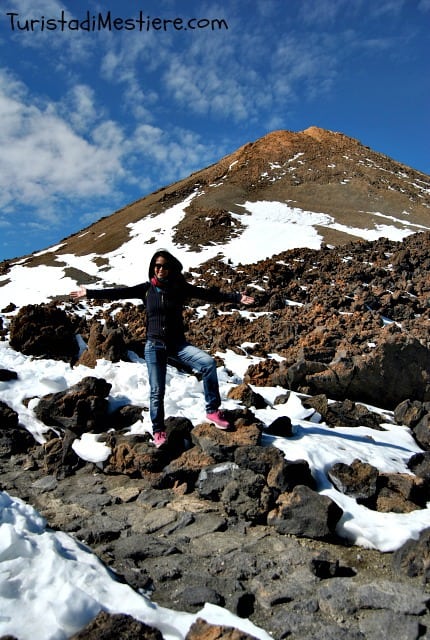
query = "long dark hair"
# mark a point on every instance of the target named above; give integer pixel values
(175, 267)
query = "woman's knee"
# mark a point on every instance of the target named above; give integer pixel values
(208, 365)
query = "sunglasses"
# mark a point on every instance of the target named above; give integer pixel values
(161, 265)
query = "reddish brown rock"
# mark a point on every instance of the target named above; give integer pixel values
(107, 626)
(221, 445)
(246, 396)
(44, 331)
(106, 343)
(202, 630)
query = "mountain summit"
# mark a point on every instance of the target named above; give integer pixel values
(315, 178)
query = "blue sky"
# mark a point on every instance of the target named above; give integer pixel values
(92, 120)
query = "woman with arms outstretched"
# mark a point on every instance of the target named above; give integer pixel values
(164, 295)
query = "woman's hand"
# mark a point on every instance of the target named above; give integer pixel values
(80, 293)
(246, 299)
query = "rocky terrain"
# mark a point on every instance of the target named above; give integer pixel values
(215, 516)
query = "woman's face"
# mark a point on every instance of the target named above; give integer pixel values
(161, 267)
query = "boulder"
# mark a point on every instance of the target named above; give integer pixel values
(421, 432)
(281, 426)
(419, 464)
(397, 369)
(202, 630)
(108, 626)
(13, 438)
(8, 417)
(44, 331)
(213, 479)
(305, 513)
(81, 408)
(6, 375)
(135, 456)
(186, 468)
(59, 458)
(13, 441)
(401, 493)
(221, 445)
(105, 342)
(358, 479)
(125, 416)
(410, 412)
(383, 492)
(349, 414)
(247, 497)
(260, 374)
(247, 396)
(413, 557)
(280, 474)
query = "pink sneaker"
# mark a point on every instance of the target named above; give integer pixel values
(160, 438)
(217, 418)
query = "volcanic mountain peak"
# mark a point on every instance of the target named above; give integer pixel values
(319, 170)
(323, 135)
(317, 133)
(279, 145)
(318, 149)
(315, 171)
(320, 178)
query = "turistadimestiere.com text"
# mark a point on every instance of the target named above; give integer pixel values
(107, 21)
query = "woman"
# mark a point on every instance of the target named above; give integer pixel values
(164, 295)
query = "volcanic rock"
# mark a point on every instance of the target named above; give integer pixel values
(44, 331)
(7, 375)
(421, 432)
(13, 438)
(305, 513)
(244, 393)
(81, 408)
(106, 626)
(413, 558)
(104, 342)
(221, 445)
(410, 412)
(8, 417)
(396, 370)
(358, 479)
(201, 630)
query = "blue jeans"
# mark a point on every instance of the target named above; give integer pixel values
(156, 354)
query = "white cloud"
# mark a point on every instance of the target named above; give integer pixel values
(61, 157)
(128, 62)
(322, 11)
(33, 9)
(176, 152)
(42, 157)
(387, 7)
(212, 78)
(327, 12)
(128, 54)
(81, 108)
(60, 47)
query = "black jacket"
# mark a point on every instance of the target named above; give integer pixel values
(164, 306)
